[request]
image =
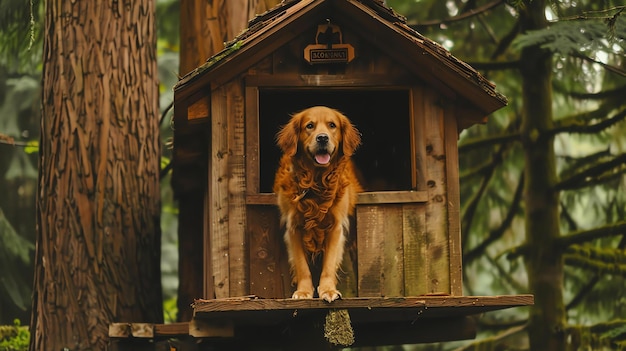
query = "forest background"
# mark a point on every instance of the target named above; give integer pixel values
(543, 185)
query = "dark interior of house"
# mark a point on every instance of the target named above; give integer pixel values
(382, 116)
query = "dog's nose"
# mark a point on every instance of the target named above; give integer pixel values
(322, 138)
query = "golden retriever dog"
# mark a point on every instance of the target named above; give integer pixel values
(317, 190)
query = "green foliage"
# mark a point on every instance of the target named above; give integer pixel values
(20, 34)
(15, 337)
(602, 260)
(170, 310)
(589, 40)
(32, 147)
(13, 248)
(606, 335)
(570, 37)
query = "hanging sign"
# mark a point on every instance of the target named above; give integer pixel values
(329, 46)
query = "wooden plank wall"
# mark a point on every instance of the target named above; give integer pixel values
(237, 241)
(218, 195)
(269, 270)
(436, 235)
(454, 201)
(380, 250)
(227, 193)
(403, 249)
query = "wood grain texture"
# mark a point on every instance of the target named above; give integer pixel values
(451, 135)
(237, 239)
(269, 270)
(380, 250)
(436, 236)
(199, 109)
(416, 257)
(98, 237)
(253, 178)
(371, 238)
(218, 194)
(466, 305)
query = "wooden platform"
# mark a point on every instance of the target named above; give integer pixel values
(249, 323)
(376, 321)
(248, 309)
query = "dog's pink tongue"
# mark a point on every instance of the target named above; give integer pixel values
(322, 158)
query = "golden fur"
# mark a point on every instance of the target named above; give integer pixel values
(317, 190)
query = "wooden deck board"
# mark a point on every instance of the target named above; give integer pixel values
(268, 311)
(253, 323)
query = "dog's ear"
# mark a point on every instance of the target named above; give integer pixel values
(351, 137)
(287, 137)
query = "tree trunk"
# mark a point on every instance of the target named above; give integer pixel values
(204, 27)
(98, 238)
(544, 263)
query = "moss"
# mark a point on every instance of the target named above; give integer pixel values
(219, 56)
(14, 337)
(607, 335)
(338, 328)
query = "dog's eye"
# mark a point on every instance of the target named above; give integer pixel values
(309, 125)
(332, 125)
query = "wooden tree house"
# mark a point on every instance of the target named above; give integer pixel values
(402, 274)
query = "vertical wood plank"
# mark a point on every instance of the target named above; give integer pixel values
(348, 280)
(380, 250)
(436, 208)
(417, 257)
(218, 206)
(209, 286)
(252, 141)
(370, 225)
(393, 252)
(454, 201)
(418, 145)
(237, 243)
(415, 247)
(269, 268)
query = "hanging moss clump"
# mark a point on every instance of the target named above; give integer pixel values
(338, 328)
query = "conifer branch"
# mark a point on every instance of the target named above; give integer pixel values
(582, 121)
(468, 211)
(494, 65)
(589, 286)
(497, 233)
(594, 265)
(605, 94)
(585, 177)
(467, 14)
(586, 289)
(490, 343)
(579, 237)
(610, 68)
(584, 236)
(603, 335)
(488, 141)
(573, 126)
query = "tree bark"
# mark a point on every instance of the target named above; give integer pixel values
(204, 27)
(544, 261)
(98, 236)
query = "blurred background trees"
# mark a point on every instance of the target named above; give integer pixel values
(543, 185)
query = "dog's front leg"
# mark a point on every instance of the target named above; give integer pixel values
(299, 265)
(333, 255)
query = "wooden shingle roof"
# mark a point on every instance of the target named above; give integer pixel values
(382, 26)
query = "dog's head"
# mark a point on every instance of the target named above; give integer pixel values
(322, 133)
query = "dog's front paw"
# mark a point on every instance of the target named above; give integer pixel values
(302, 294)
(329, 295)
